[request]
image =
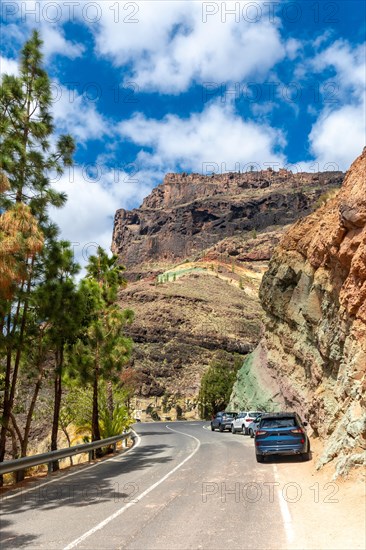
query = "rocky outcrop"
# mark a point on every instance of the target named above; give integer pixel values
(313, 352)
(187, 214)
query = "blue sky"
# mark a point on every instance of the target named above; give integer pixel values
(153, 87)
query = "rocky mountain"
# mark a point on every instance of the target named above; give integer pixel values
(312, 356)
(195, 252)
(188, 213)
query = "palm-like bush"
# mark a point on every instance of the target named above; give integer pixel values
(113, 423)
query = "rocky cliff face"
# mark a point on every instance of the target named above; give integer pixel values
(313, 354)
(186, 214)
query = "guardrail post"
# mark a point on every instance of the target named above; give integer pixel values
(91, 455)
(49, 468)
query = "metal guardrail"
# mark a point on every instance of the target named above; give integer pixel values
(47, 458)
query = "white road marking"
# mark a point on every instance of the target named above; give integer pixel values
(110, 518)
(286, 516)
(19, 492)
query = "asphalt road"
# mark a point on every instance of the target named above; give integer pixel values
(181, 487)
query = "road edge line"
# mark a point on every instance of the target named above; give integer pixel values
(285, 511)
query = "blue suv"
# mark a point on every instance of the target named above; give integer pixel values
(281, 434)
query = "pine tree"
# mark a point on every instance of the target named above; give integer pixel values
(26, 160)
(61, 305)
(103, 349)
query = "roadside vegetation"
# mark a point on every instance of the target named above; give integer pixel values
(217, 384)
(52, 327)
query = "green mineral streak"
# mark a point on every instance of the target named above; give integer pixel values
(247, 392)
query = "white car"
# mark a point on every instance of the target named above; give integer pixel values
(242, 421)
(237, 424)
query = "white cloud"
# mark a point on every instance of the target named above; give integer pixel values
(87, 218)
(339, 134)
(8, 66)
(293, 48)
(55, 43)
(76, 115)
(216, 135)
(170, 46)
(349, 65)
(338, 137)
(22, 16)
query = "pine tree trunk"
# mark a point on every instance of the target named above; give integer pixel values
(110, 402)
(68, 442)
(25, 439)
(57, 404)
(95, 416)
(6, 415)
(11, 375)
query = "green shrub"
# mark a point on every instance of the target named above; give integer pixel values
(217, 383)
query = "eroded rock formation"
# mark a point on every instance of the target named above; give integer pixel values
(313, 353)
(186, 214)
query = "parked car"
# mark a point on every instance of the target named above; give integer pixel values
(237, 424)
(281, 434)
(253, 426)
(246, 419)
(223, 420)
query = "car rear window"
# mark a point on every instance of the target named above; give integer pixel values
(278, 422)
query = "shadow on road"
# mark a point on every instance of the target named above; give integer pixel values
(90, 487)
(9, 539)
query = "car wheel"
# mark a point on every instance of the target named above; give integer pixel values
(243, 429)
(212, 428)
(251, 433)
(221, 428)
(306, 456)
(260, 458)
(233, 430)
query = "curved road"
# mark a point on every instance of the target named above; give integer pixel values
(181, 487)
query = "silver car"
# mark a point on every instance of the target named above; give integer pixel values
(253, 426)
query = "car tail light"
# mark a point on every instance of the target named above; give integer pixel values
(260, 432)
(297, 431)
(303, 441)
